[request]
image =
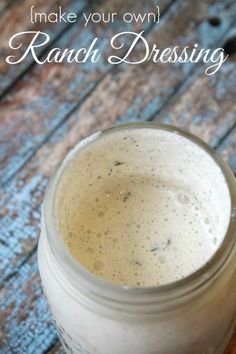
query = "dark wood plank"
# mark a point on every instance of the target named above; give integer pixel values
(16, 18)
(50, 92)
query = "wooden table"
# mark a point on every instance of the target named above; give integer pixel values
(46, 109)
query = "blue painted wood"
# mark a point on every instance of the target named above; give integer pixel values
(156, 90)
(50, 92)
(202, 105)
(28, 199)
(20, 218)
(26, 321)
(23, 196)
(50, 103)
(205, 105)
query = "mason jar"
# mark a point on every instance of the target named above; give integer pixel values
(194, 315)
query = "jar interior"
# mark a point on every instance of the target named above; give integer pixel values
(141, 207)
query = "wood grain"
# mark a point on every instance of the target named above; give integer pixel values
(4, 4)
(34, 120)
(15, 19)
(23, 196)
(45, 97)
(25, 322)
(209, 104)
(31, 191)
(143, 92)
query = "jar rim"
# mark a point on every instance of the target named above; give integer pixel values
(82, 277)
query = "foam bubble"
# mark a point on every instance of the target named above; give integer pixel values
(183, 198)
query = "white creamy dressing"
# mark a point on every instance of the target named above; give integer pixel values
(142, 207)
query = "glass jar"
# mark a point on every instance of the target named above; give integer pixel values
(195, 315)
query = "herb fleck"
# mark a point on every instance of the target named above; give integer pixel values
(138, 263)
(154, 249)
(118, 163)
(126, 196)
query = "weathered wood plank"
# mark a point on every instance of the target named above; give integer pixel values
(25, 321)
(50, 92)
(20, 230)
(23, 196)
(145, 87)
(29, 185)
(151, 85)
(208, 103)
(26, 193)
(24, 225)
(16, 18)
